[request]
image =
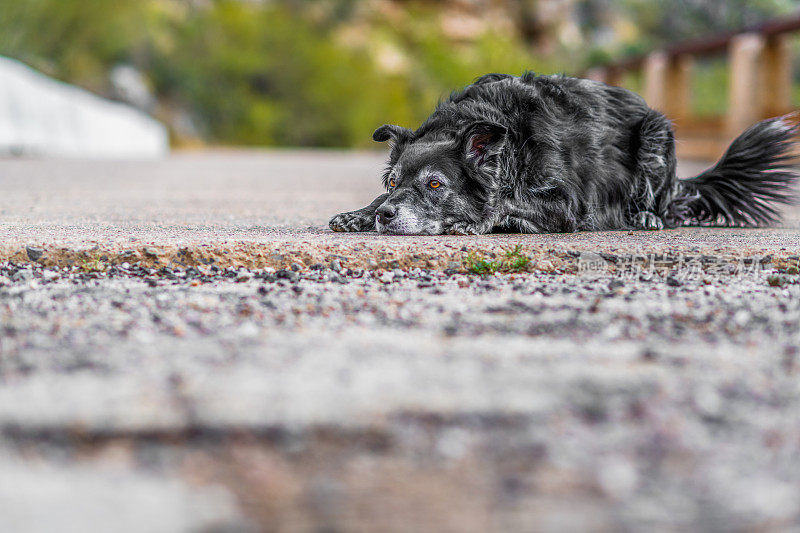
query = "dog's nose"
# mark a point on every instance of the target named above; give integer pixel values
(386, 213)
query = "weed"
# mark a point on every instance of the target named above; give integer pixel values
(512, 260)
(92, 265)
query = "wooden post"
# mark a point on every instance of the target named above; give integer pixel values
(667, 84)
(655, 80)
(597, 74)
(777, 83)
(746, 106)
(615, 76)
(679, 88)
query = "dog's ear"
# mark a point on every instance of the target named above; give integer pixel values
(390, 131)
(482, 141)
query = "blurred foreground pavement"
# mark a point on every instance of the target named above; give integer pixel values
(148, 382)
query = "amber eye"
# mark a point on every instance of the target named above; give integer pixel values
(392, 183)
(434, 184)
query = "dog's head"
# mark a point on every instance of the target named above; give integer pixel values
(434, 181)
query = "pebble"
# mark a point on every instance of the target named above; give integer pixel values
(22, 275)
(776, 280)
(50, 275)
(545, 266)
(286, 274)
(34, 253)
(616, 284)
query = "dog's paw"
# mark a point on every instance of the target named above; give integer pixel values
(353, 221)
(466, 228)
(647, 220)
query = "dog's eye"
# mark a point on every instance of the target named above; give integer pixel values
(392, 183)
(434, 184)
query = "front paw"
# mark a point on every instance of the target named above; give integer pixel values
(353, 221)
(647, 220)
(467, 228)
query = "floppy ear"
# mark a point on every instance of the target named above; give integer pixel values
(390, 131)
(483, 140)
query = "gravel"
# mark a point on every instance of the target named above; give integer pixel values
(363, 382)
(36, 498)
(348, 399)
(34, 253)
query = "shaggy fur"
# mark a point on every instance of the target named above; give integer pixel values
(557, 154)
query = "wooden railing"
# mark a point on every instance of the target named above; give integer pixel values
(759, 61)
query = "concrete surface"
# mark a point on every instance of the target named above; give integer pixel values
(156, 376)
(279, 198)
(257, 209)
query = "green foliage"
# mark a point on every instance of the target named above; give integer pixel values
(710, 88)
(513, 260)
(479, 265)
(262, 73)
(71, 39)
(291, 73)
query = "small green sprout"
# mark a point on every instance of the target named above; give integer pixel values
(513, 260)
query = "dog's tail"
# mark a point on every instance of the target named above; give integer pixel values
(746, 186)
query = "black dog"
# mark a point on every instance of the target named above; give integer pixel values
(557, 154)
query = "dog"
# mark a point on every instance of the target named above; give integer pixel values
(551, 153)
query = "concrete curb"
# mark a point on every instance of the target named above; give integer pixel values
(376, 255)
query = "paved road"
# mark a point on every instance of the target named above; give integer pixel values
(223, 197)
(603, 390)
(262, 209)
(190, 197)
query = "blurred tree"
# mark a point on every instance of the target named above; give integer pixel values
(326, 73)
(667, 21)
(72, 39)
(276, 72)
(262, 75)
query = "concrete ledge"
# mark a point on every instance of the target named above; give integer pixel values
(547, 253)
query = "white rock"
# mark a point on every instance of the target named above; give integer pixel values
(41, 116)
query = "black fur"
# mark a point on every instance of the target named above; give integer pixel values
(559, 154)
